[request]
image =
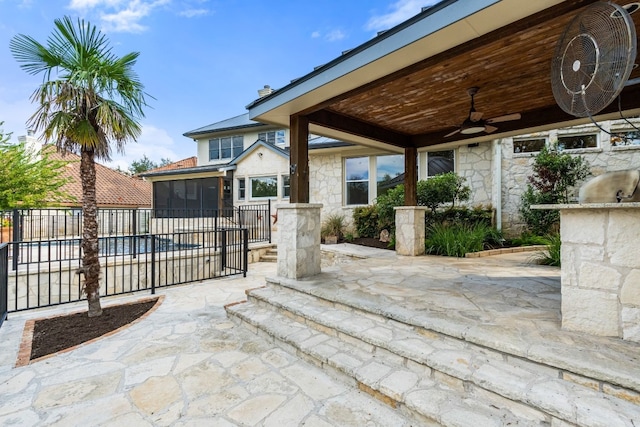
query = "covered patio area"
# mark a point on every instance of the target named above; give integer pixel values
(409, 88)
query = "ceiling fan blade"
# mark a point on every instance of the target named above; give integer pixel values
(475, 116)
(452, 133)
(505, 118)
(490, 129)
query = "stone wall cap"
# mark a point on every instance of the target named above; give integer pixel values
(300, 206)
(630, 205)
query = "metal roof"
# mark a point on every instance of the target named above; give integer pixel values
(234, 123)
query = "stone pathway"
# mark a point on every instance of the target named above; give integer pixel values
(185, 365)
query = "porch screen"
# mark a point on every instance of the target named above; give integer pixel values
(185, 197)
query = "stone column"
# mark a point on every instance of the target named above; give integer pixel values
(410, 230)
(299, 240)
(601, 269)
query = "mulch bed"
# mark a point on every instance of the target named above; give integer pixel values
(59, 333)
(371, 242)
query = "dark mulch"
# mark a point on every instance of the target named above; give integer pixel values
(371, 242)
(62, 332)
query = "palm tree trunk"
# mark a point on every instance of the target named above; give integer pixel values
(90, 259)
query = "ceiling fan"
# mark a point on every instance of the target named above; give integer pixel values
(476, 124)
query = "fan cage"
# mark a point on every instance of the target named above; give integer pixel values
(593, 59)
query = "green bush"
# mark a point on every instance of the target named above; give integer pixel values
(333, 226)
(554, 175)
(539, 222)
(442, 189)
(460, 239)
(365, 220)
(434, 192)
(462, 215)
(551, 255)
(529, 239)
(385, 204)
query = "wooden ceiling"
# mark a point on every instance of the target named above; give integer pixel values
(419, 105)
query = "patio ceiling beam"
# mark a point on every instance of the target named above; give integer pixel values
(353, 126)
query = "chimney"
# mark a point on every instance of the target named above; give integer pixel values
(265, 91)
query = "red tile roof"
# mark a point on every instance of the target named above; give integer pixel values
(113, 188)
(190, 162)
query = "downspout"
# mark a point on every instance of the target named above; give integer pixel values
(497, 181)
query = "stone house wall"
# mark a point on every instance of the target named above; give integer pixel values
(516, 167)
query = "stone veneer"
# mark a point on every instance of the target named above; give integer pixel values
(410, 230)
(601, 268)
(299, 240)
(516, 167)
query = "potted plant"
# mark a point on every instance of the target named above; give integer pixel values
(7, 230)
(332, 229)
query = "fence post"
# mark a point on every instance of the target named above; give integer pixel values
(4, 282)
(245, 250)
(134, 235)
(153, 264)
(16, 221)
(269, 220)
(223, 250)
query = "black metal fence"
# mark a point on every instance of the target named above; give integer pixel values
(140, 250)
(133, 264)
(53, 235)
(4, 281)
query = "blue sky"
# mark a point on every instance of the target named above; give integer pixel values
(202, 60)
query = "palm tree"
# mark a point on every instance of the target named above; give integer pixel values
(89, 98)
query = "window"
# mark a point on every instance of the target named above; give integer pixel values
(241, 189)
(264, 187)
(528, 145)
(357, 181)
(389, 172)
(286, 186)
(226, 147)
(272, 137)
(625, 138)
(572, 142)
(439, 162)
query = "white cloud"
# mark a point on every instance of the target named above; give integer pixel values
(154, 142)
(190, 13)
(90, 4)
(400, 12)
(334, 35)
(119, 15)
(330, 35)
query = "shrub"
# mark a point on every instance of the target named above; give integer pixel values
(539, 222)
(333, 226)
(434, 192)
(385, 204)
(458, 240)
(462, 215)
(554, 175)
(442, 189)
(529, 239)
(365, 220)
(551, 255)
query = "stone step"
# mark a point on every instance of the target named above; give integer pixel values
(271, 255)
(410, 389)
(610, 366)
(412, 369)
